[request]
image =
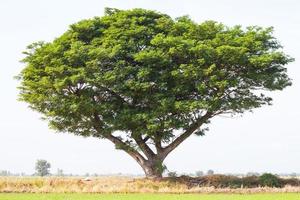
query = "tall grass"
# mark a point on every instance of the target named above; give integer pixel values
(77, 196)
(117, 185)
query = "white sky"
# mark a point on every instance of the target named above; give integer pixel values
(266, 140)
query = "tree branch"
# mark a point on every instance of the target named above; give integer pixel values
(118, 142)
(186, 134)
(133, 153)
(144, 147)
(146, 138)
(159, 148)
(116, 95)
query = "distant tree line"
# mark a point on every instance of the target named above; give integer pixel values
(42, 168)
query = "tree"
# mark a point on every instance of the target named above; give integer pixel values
(42, 168)
(199, 173)
(270, 180)
(147, 82)
(210, 172)
(293, 175)
(5, 173)
(59, 172)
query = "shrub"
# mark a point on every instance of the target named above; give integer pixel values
(225, 181)
(222, 181)
(291, 181)
(233, 182)
(250, 181)
(270, 180)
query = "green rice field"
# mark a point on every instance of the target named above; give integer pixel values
(77, 196)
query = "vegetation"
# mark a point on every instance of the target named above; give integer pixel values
(291, 196)
(42, 168)
(147, 82)
(199, 173)
(210, 172)
(270, 180)
(183, 184)
(229, 181)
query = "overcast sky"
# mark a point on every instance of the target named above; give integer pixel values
(266, 140)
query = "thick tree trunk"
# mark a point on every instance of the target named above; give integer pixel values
(152, 169)
(152, 163)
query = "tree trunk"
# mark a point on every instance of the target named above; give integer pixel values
(152, 163)
(153, 169)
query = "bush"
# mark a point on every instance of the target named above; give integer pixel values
(250, 181)
(291, 181)
(225, 181)
(270, 180)
(222, 181)
(233, 182)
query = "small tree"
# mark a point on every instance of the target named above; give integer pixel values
(293, 175)
(199, 173)
(210, 172)
(5, 173)
(270, 180)
(147, 82)
(59, 172)
(42, 168)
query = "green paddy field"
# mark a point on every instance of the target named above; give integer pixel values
(27, 196)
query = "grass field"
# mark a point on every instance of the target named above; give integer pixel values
(26, 196)
(118, 185)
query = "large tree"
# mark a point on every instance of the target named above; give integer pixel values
(147, 82)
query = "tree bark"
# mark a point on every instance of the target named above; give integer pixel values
(152, 169)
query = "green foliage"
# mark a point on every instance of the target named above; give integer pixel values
(148, 75)
(42, 168)
(270, 180)
(160, 167)
(250, 181)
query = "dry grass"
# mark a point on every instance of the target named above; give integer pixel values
(117, 185)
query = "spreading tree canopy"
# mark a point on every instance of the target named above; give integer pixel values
(147, 82)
